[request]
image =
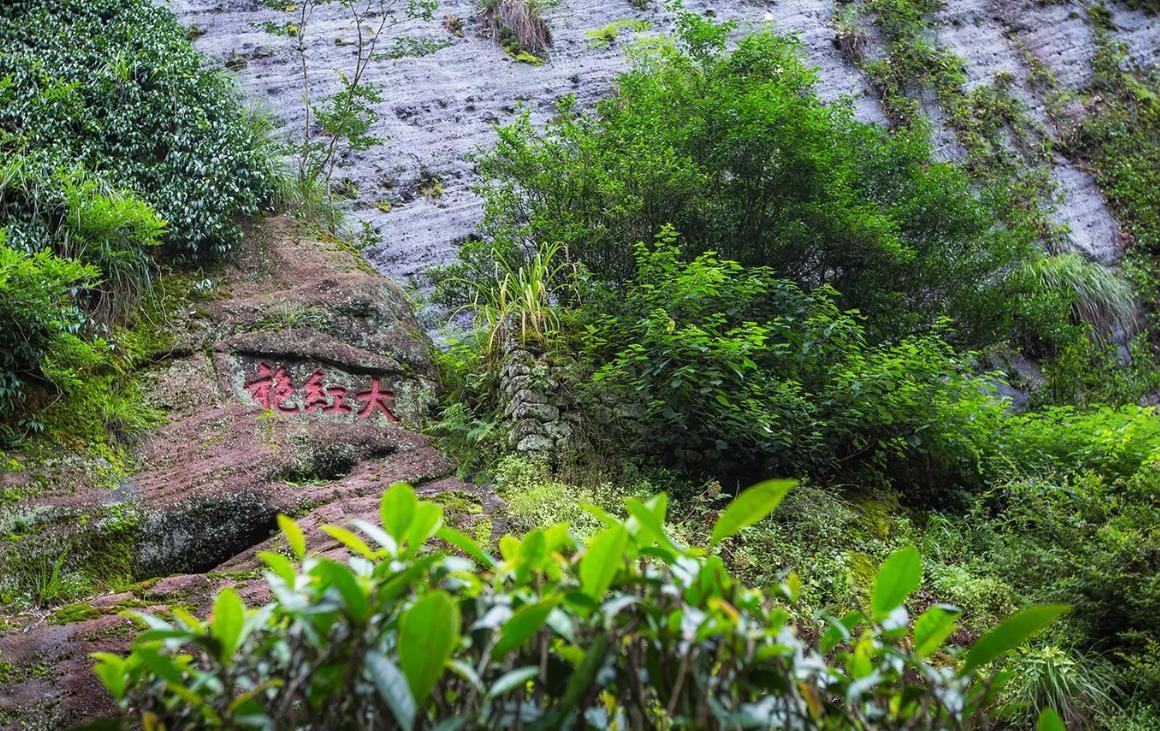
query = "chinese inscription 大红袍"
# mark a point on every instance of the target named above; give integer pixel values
(274, 390)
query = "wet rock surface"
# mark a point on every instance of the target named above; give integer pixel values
(215, 475)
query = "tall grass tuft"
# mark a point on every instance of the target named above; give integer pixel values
(519, 299)
(1097, 293)
(1078, 688)
(522, 18)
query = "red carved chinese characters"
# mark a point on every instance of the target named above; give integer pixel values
(377, 400)
(273, 389)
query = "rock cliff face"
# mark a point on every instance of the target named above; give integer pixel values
(439, 108)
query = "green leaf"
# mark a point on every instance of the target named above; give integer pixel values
(467, 544)
(1049, 720)
(602, 560)
(425, 521)
(110, 669)
(510, 680)
(392, 688)
(651, 521)
(1011, 633)
(162, 665)
(522, 626)
(350, 540)
(397, 509)
(932, 628)
(279, 564)
(899, 576)
(533, 548)
(428, 633)
(342, 579)
(229, 618)
(749, 507)
(293, 535)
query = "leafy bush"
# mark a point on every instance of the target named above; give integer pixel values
(116, 86)
(40, 321)
(720, 366)
(1093, 538)
(80, 217)
(735, 150)
(629, 629)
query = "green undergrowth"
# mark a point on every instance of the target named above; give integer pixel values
(1011, 157)
(1118, 141)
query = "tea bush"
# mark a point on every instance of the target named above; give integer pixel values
(40, 321)
(116, 86)
(629, 630)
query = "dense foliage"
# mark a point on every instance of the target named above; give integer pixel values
(115, 137)
(39, 319)
(737, 153)
(115, 86)
(726, 367)
(627, 630)
(715, 355)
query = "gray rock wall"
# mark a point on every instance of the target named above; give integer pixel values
(439, 108)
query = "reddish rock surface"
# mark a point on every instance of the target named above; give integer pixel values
(213, 478)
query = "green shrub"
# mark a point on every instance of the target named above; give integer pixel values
(552, 635)
(1093, 538)
(116, 86)
(40, 323)
(736, 151)
(81, 217)
(725, 368)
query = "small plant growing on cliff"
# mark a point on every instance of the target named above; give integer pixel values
(518, 25)
(607, 35)
(628, 628)
(342, 121)
(848, 33)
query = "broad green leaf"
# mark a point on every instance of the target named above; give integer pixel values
(1011, 633)
(378, 535)
(602, 560)
(1049, 720)
(428, 633)
(899, 576)
(749, 507)
(533, 548)
(110, 669)
(401, 581)
(522, 626)
(511, 680)
(229, 618)
(293, 535)
(164, 666)
(278, 564)
(465, 543)
(392, 688)
(397, 508)
(342, 579)
(932, 628)
(651, 521)
(350, 540)
(600, 514)
(424, 523)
